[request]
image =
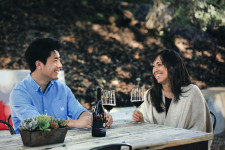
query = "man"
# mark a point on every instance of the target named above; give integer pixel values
(42, 93)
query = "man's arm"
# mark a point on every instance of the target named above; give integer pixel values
(21, 107)
(84, 121)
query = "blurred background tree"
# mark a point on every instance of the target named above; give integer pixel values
(111, 43)
(203, 14)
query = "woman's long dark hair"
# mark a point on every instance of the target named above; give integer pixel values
(178, 77)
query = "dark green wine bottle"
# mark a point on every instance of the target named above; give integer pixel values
(99, 118)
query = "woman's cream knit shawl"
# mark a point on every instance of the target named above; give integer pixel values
(190, 112)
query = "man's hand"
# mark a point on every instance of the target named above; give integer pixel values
(84, 121)
(137, 116)
(109, 120)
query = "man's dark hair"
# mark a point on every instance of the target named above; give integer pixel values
(40, 49)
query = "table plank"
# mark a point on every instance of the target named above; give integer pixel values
(139, 135)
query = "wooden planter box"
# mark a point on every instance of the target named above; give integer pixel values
(38, 138)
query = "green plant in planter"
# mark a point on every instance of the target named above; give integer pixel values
(43, 122)
(29, 124)
(62, 122)
(54, 124)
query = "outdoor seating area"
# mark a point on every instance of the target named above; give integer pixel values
(122, 124)
(112, 75)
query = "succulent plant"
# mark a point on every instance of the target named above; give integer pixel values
(54, 124)
(43, 122)
(29, 124)
(62, 122)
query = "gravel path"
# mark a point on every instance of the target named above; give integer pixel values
(219, 142)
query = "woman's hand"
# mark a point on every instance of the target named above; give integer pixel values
(137, 116)
(109, 120)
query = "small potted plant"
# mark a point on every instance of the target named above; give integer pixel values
(43, 130)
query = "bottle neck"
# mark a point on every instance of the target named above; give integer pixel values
(98, 94)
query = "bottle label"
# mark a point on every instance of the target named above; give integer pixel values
(99, 125)
(98, 129)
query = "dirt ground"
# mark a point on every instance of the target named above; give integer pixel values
(219, 142)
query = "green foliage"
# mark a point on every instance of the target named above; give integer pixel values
(98, 17)
(183, 15)
(210, 14)
(140, 1)
(43, 122)
(84, 2)
(201, 13)
(54, 124)
(62, 122)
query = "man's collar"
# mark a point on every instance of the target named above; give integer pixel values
(36, 86)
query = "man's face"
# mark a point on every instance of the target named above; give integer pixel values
(51, 69)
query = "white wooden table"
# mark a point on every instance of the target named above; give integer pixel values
(139, 135)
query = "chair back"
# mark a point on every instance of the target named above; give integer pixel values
(115, 146)
(214, 120)
(5, 118)
(11, 130)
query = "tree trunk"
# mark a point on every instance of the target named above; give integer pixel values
(159, 16)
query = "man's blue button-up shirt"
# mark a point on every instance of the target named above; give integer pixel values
(27, 101)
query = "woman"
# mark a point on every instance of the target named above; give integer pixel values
(173, 100)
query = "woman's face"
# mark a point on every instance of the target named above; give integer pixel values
(160, 71)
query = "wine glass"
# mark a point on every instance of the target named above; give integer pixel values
(109, 99)
(137, 96)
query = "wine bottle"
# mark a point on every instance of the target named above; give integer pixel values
(99, 118)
